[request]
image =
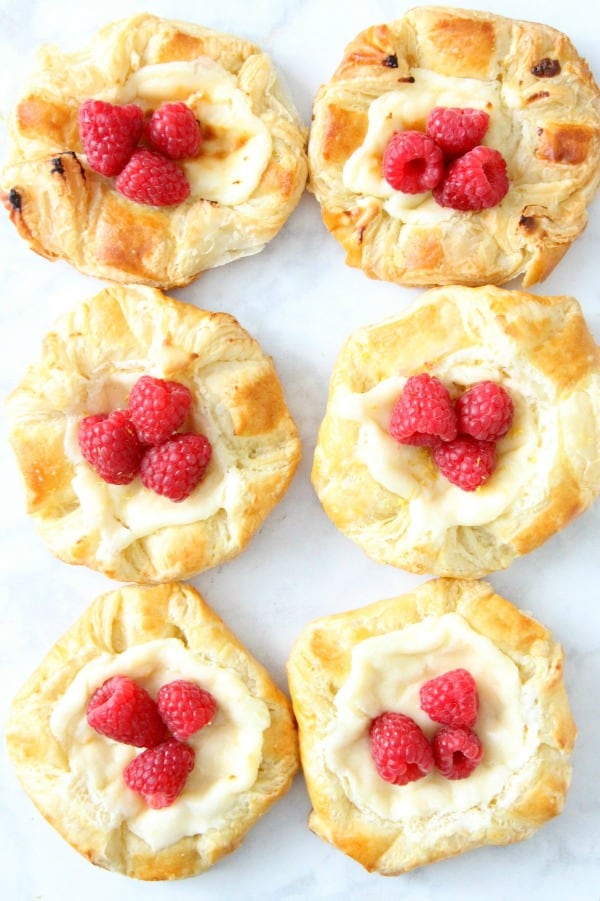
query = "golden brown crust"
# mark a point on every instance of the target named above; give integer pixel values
(65, 210)
(102, 347)
(548, 470)
(542, 100)
(318, 668)
(120, 620)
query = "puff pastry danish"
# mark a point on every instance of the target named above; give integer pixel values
(349, 668)
(245, 759)
(246, 181)
(391, 500)
(544, 109)
(88, 365)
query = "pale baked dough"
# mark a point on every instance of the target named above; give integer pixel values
(88, 364)
(547, 126)
(534, 777)
(80, 808)
(254, 145)
(392, 501)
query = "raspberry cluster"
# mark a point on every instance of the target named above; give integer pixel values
(111, 137)
(402, 753)
(144, 440)
(462, 434)
(122, 710)
(449, 160)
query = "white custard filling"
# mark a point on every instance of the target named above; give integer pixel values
(407, 107)
(237, 146)
(436, 505)
(228, 750)
(386, 674)
(123, 514)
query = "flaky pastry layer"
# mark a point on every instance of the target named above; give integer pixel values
(391, 500)
(65, 210)
(319, 667)
(87, 365)
(544, 108)
(117, 621)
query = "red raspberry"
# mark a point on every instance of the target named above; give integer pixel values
(485, 411)
(457, 751)
(412, 162)
(457, 130)
(159, 774)
(475, 181)
(451, 698)
(109, 134)
(158, 408)
(174, 468)
(423, 413)
(111, 446)
(124, 711)
(185, 707)
(174, 131)
(466, 462)
(400, 751)
(150, 177)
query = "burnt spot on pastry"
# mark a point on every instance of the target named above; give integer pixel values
(407, 80)
(56, 166)
(539, 95)
(529, 224)
(546, 68)
(15, 200)
(391, 61)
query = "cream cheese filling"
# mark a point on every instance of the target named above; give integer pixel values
(385, 675)
(407, 107)
(228, 750)
(436, 505)
(237, 145)
(123, 514)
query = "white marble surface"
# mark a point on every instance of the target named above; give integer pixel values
(301, 302)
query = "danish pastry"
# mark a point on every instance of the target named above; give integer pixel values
(245, 759)
(392, 500)
(87, 367)
(244, 183)
(544, 121)
(349, 669)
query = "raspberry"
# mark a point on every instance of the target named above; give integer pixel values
(174, 468)
(423, 413)
(485, 411)
(159, 773)
(412, 162)
(466, 462)
(158, 408)
(451, 698)
(111, 447)
(475, 181)
(185, 707)
(109, 134)
(124, 711)
(457, 751)
(400, 751)
(174, 131)
(151, 178)
(456, 130)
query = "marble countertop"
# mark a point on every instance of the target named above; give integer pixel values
(301, 302)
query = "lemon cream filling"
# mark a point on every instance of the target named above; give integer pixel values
(407, 108)
(434, 503)
(386, 674)
(124, 514)
(228, 750)
(237, 145)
